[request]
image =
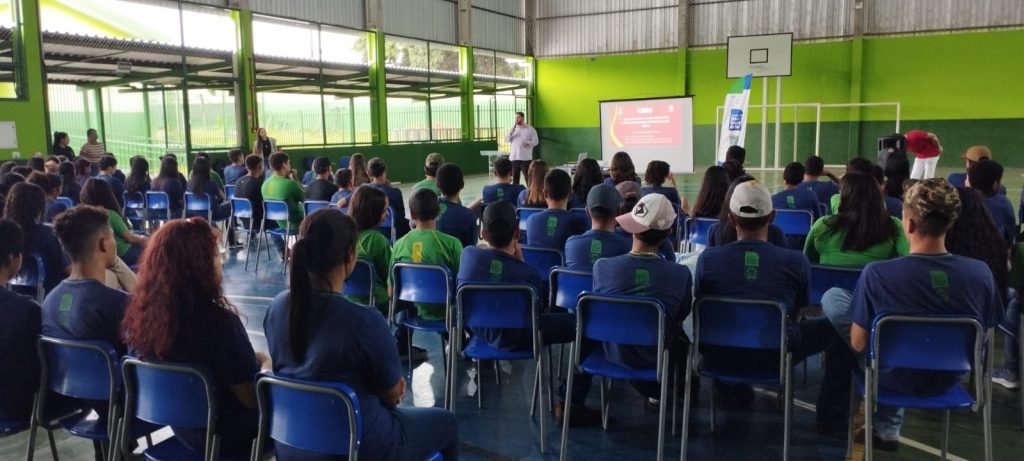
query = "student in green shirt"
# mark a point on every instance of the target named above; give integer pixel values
(368, 208)
(434, 161)
(426, 244)
(98, 192)
(280, 187)
(860, 232)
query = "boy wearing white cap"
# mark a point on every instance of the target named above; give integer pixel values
(752, 268)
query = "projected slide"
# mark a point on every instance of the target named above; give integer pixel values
(649, 129)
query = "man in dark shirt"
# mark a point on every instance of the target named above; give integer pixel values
(108, 166)
(19, 330)
(987, 177)
(378, 172)
(601, 241)
(929, 281)
(321, 189)
(455, 219)
(814, 169)
(552, 227)
(794, 197)
(250, 187)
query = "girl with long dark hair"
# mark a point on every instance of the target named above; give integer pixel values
(167, 181)
(69, 188)
(314, 333)
(659, 174)
(178, 313)
(861, 231)
(25, 204)
(83, 171)
(98, 192)
(60, 146)
(975, 235)
(711, 198)
(138, 181)
(621, 170)
(588, 174)
(203, 183)
(368, 207)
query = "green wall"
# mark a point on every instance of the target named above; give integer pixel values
(405, 161)
(963, 86)
(28, 112)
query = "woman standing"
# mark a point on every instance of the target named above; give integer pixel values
(264, 145)
(60, 146)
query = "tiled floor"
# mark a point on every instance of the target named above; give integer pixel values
(503, 429)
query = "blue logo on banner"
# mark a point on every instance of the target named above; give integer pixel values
(735, 120)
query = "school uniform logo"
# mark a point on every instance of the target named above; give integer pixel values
(496, 269)
(642, 281)
(791, 201)
(751, 265)
(595, 250)
(940, 283)
(552, 225)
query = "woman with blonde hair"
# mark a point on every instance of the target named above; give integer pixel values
(533, 195)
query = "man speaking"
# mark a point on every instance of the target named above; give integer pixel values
(522, 138)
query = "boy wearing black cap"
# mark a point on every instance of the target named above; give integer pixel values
(601, 241)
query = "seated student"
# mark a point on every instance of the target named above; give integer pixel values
(588, 174)
(860, 232)
(181, 177)
(430, 167)
(629, 191)
(657, 175)
(453, 218)
(52, 164)
(129, 245)
(280, 187)
(502, 190)
(234, 171)
(502, 262)
(368, 208)
(814, 170)
(752, 268)
(25, 205)
(918, 284)
(794, 197)
(343, 179)
(425, 244)
(724, 233)
(108, 166)
(893, 205)
(69, 188)
(974, 154)
(711, 197)
(986, 177)
(621, 170)
(214, 176)
(314, 333)
(83, 170)
(81, 307)
(533, 195)
(178, 313)
(735, 158)
(168, 182)
(50, 183)
(202, 183)
(601, 241)
(250, 187)
(138, 181)
(19, 331)
(321, 188)
(552, 227)
(859, 165)
(379, 178)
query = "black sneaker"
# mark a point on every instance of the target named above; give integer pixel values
(419, 354)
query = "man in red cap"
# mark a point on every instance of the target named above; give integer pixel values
(926, 149)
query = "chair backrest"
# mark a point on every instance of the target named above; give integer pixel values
(316, 416)
(498, 306)
(524, 216)
(939, 343)
(696, 230)
(362, 279)
(134, 201)
(825, 277)
(343, 161)
(566, 285)
(620, 319)
(241, 208)
(157, 200)
(197, 202)
(229, 191)
(387, 227)
(796, 223)
(422, 283)
(542, 259)
(67, 202)
(169, 394)
(79, 369)
(309, 206)
(275, 210)
(742, 323)
(32, 275)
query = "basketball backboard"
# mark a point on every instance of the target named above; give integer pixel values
(760, 55)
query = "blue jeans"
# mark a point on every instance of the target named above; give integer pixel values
(836, 304)
(426, 430)
(1011, 351)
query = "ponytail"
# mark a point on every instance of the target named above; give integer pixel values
(299, 297)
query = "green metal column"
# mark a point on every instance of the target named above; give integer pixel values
(30, 108)
(186, 115)
(245, 96)
(378, 88)
(98, 96)
(466, 85)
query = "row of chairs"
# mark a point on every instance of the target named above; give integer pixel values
(795, 224)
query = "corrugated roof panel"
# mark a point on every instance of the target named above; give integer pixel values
(900, 16)
(714, 23)
(346, 13)
(511, 7)
(498, 32)
(558, 8)
(607, 33)
(424, 19)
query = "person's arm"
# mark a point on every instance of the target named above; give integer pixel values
(475, 206)
(510, 134)
(130, 237)
(531, 140)
(809, 249)
(393, 396)
(245, 393)
(858, 338)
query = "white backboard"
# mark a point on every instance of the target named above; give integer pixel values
(8, 135)
(760, 55)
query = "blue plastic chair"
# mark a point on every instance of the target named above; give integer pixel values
(344, 161)
(229, 191)
(67, 202)
(32, 277)
(158, 207)
(619, 320)
(524, 215)
(197, 205)
(362, 280)
(274, 210)
(171, 394)
(135, 209)
(695, 231)
(566, 285)
(307, 178)
(824, 278)
(501, 306)
(309, 206)
(932, 343)
(388, 226)
(422, 283)
(795, 224)
(241, 210)
(315, 416)
(748, 324)
(542, 259)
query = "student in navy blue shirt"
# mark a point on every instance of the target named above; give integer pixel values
(621, 170)
(234, 171)
(794, 197)
(50, 183)
(455, 219)
(379, 178)
(20, 323)
(169, 181)
(502, 190)
(814, 170)
(930, 281)
(659, 174)
(201, 183)
(974, 154)
(630, 193)
(986, 177)
(314, 333)
(752, 268)
(601, 241)
(26, 205)
(108, 166)
(552, 227)
(724, 232)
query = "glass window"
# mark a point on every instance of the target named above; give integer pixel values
(10, 52)
(424, 98)
(500, 89)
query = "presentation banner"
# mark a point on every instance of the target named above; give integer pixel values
(734, 118)
(649, 129)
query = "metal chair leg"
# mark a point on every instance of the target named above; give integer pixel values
(869, 415)
(674, 399)
(945, 436)
(479, 387)
(540, 386)
(497, 373)
(567, 406)
(712, 406)
(787, 408)
(854, 407)
(662, 406)
(604, 406)
(687, 396)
